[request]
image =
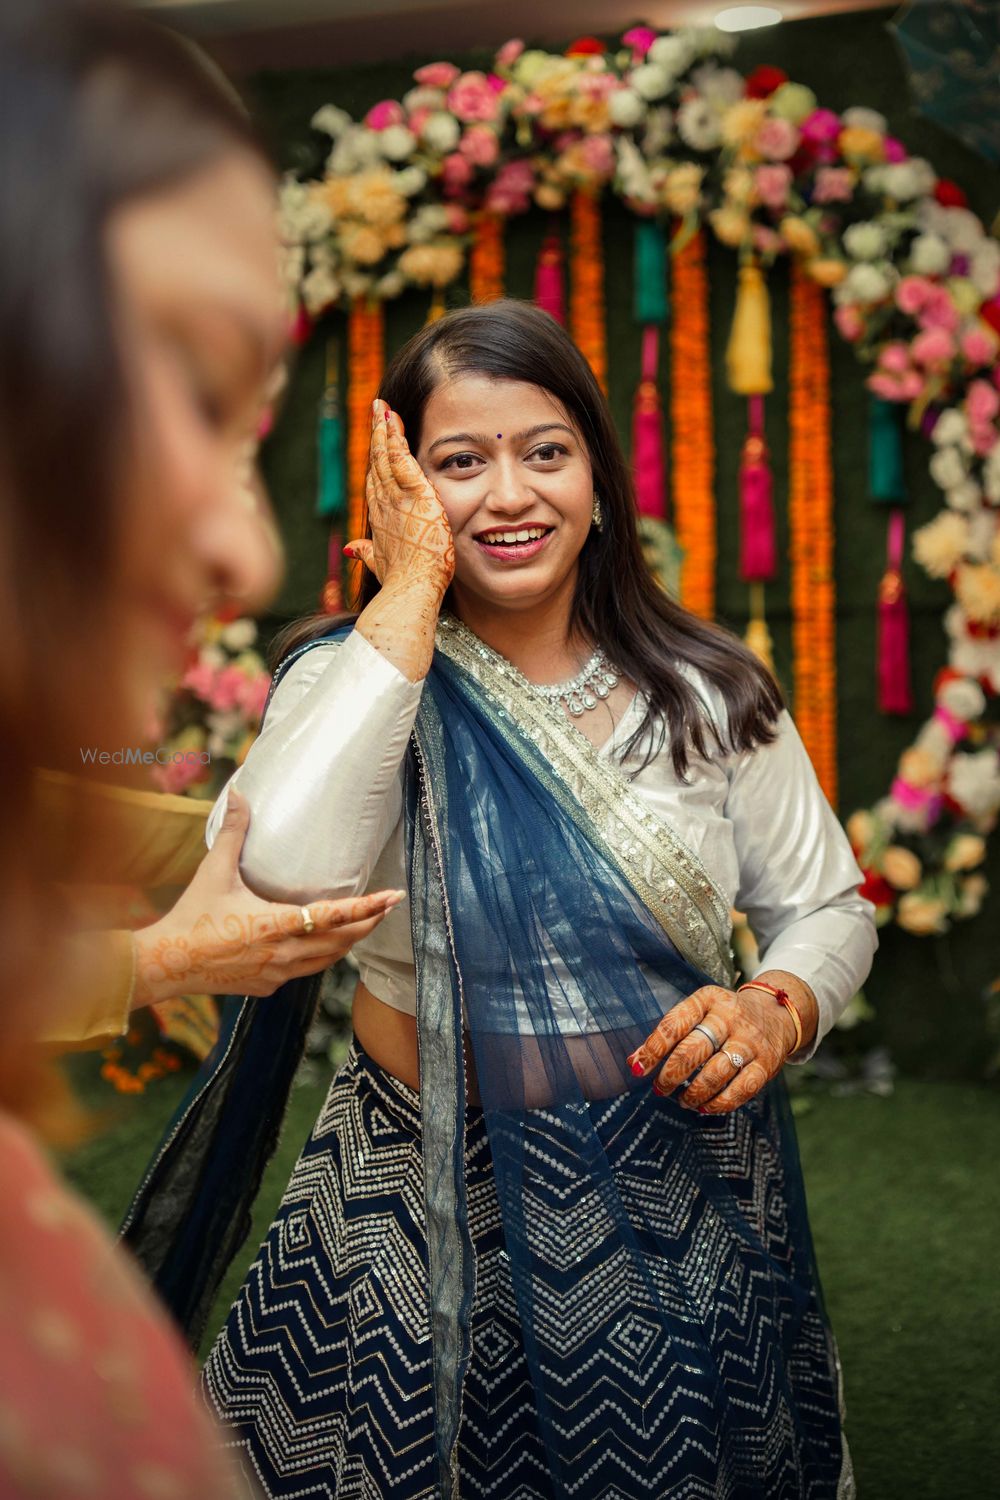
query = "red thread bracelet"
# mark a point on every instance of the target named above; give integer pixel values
(783, 998)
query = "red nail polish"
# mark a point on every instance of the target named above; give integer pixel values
(387, 413)
(702, 1111)
(661, 1092)
(638, 1069)
(348, 551)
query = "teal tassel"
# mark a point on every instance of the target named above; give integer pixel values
(332, 486)
(886, 483)
(649, 282)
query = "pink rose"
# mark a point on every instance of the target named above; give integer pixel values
(457, 220)
(905, 387)
(177, 775)
(981, 402)
(598, 155)
(912, 293)
(456, 173)
(200, 680)
(471, 98)
(439, 75)
(254, 695)
(934, 349)
(387, 112)
(480, 145)
(640, 39)
(496, 83)
(978, 346)
(850, 324)
(821, 127)
(895, 357)
(983, 439)
(772, 184)
(510, 190)
(509, 53)
(227, 690)
(833, 185)
(895, 151)
(777, 138)
(418, 118)
(767, 240)
(939, 311)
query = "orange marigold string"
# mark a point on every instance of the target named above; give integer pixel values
(487, 260)
(586, 296)
(366, 362)
(692, 467)
(813, 597)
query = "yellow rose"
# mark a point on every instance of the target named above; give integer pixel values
(971, 894)
(682, 189)
(435, 264)
(547, 195)
(921, 915)
(859, 144)
(739, 187)
(799, 236)
(965, 851)
(362, 245)
(901, 867)
(731, 226)
(742, 121)
(919, 768)
(826, 272)
(860, 828)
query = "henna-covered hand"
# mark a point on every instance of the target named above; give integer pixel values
(751, 1025)
(221, 939)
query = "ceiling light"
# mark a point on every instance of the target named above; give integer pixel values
(747, 17)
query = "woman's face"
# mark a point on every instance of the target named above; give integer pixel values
(505, 456)
(202, 326)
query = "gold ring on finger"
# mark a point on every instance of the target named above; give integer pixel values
(308, 925)
(736, 1058)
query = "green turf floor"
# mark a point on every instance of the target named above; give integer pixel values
(905, 1210)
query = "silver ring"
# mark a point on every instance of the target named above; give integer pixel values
(308, 925)
(736, 1058)
(707, 1031)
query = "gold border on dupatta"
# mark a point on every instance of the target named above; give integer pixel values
(666, 874)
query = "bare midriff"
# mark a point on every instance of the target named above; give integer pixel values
(389, 1036)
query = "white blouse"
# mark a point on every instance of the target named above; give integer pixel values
(324, 780)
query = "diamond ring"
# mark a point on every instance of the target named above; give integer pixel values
(736, 1058)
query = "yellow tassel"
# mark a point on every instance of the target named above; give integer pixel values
(437, 307)
(758, 637)
(748, 354)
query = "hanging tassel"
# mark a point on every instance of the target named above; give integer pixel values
(648, 459)
(331, 498)
(758, 543)
(437, 307)
(895, 691)
(748, 353)
(550, 291)
(758, 637)
(649, 280)
(886, 483)
(486, 259)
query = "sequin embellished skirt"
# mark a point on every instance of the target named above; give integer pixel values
(321, 1376)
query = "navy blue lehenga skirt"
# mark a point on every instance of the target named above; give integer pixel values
(321, 1375)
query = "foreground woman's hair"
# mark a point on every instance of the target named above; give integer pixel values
(617, 601)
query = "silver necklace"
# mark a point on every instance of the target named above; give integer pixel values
(586, 689)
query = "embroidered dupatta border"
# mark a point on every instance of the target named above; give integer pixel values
(667, 875)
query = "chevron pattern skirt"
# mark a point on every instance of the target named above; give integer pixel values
(321, 1376)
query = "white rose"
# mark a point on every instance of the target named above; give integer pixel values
(320, 289)
(963, 698)
(866, 241)
(948, 468)
(984, 268)
(331, 120)
(649, 81)
(626, 108)
(424, 98)
(929, 255)
(410, 181)
(963, 230)
(698, 125)
(964, 497)
(950, 427)
(991, 475)
(865, 119)
(865, 284)
(397, 142)
(905, 180)
(672, 53)
(433, 216)
(239, 635)
(391, 284)
(974, 781)
(441, 132)
(212, 656)
(357, 283)
(720, 86)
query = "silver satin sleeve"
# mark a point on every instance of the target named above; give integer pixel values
(322, 778)
(799, 878)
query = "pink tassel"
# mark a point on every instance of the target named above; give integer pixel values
(758, 543)
(895, 692)
(550, 293)
(648, 458)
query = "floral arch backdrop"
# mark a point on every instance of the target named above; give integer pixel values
(417, 193)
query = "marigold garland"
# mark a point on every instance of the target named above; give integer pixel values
(693, 466)
(811, 529)
(487, 259)
(366, 362)
(586, 297)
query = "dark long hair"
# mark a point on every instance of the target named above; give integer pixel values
(617, 601)
(97, 107)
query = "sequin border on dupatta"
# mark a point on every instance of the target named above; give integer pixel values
(668, 876)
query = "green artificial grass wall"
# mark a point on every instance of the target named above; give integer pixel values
(928, 992)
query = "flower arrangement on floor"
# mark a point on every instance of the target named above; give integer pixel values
(669, 126)
(214, 712)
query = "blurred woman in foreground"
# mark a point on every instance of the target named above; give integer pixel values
(140, 318)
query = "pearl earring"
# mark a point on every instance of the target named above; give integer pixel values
(596, 516)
